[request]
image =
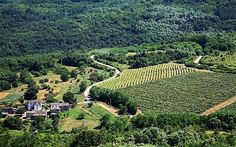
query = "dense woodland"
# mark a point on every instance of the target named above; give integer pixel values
(158, 130)
(180, 51)
(30, 26)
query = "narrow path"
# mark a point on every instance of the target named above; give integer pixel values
(196, 61)
(87, 91)
(219, 106)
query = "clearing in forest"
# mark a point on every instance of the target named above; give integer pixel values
(132, 77)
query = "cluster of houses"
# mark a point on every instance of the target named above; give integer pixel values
(36, 108)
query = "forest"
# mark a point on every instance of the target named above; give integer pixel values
(30, 26)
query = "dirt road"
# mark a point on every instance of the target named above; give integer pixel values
(219, 106)
(117, 72)
(196, 61)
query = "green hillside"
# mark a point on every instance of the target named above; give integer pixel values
(36, 26)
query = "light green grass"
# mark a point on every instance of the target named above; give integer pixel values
(92, 116)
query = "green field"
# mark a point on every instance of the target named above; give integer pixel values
(132, 77)
(91, 119)
(10, 98)
(193, 92)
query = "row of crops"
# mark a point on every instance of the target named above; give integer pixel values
(195, 92)
(10, 98)
(132, 77)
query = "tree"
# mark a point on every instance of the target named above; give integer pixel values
(31, 93)
(81, 116)
(64, 77)
(69, 97)
(21, 110)
(74, 74)
(83, 86)
(5, 85)
(50, 99)
(123, 109)
(13, 123)
(105, 121)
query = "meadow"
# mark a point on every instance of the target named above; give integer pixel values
(92, 115)
(132, 77)
(193, 93)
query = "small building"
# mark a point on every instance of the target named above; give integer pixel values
(34, 105)
(33, 114)
(8, 110)
(59, 106)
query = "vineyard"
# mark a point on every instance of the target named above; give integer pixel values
(192, 93)
(132, 77)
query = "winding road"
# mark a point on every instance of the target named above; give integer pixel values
(197, 60)
(87, 91)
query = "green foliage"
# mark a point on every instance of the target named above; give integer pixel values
(69, 97)
(114, 98)
(85, 137)
(14, 123)
(42, 124)
(81, 116)
(4, 85)
(64, 77)
(83, 86)
(74, 74)
(85, 24)
(21, 110)
(98, 76)
(31, 93)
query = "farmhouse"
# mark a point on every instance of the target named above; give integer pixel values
(34, 105)
(32, 114)
(54, 107)
(8, 110)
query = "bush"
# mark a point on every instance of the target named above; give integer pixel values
(13, 123)
(81, 116)
(69, 97)
(115, 98)
(64, 77)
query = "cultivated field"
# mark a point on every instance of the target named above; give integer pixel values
(195, 92)
(3, 95)
(10, 98)
(132, 77)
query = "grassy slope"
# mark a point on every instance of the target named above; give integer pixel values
(194, 92)
(91, 120)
